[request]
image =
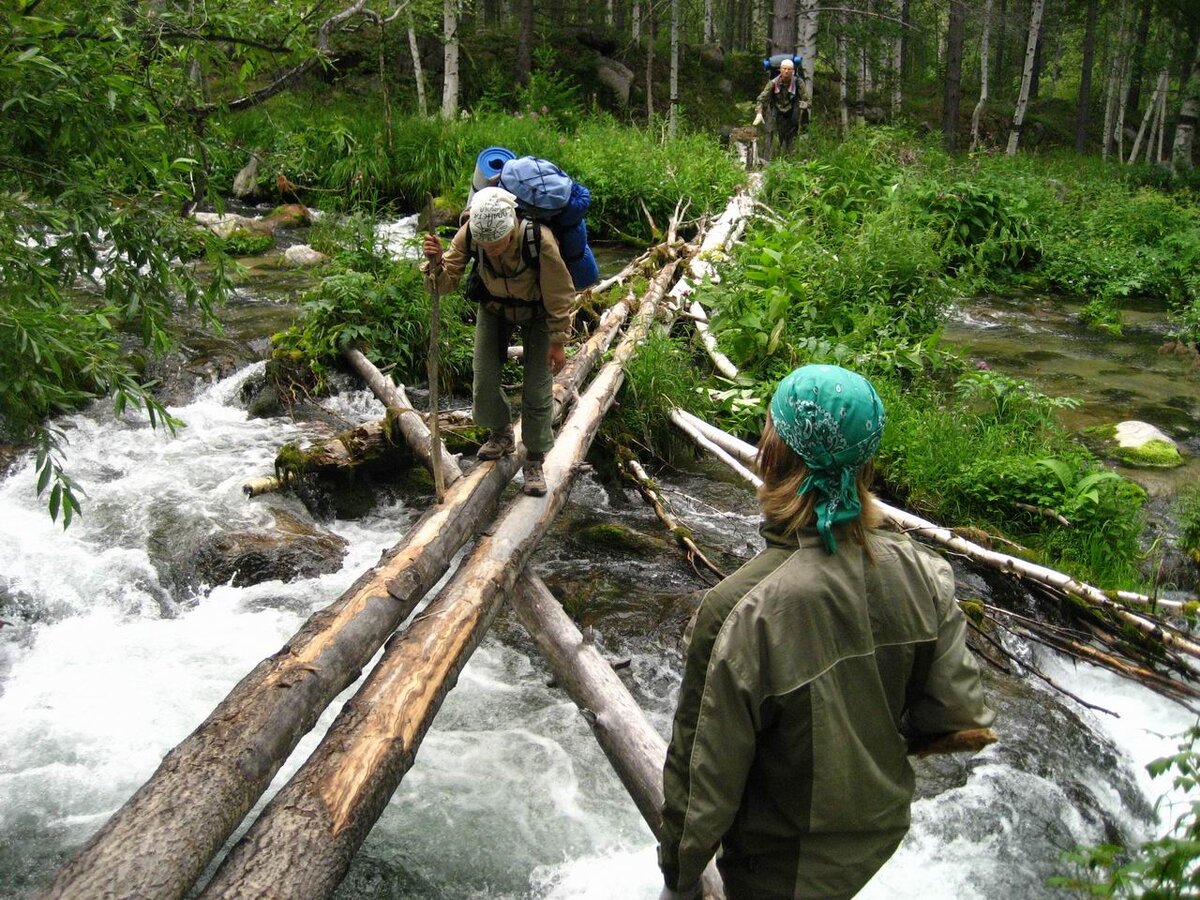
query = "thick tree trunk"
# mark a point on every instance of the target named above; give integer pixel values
(1185, 125)
(394, 398)
(161, 840)
(1083, 105)
(952, 94)
(450, 59)
(302, 844)
(418, 70)
(983, 73)
(808, 25)
(1035, 29)
(783, 27)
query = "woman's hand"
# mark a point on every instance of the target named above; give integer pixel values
(432, 249)
(556, 358)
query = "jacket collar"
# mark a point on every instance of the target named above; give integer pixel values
(805, 537)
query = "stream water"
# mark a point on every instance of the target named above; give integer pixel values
(110, 657)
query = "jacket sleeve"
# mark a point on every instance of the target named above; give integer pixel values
(454, 261)
(952, 698)
(709, 757)
(558, 290)
(764, 95)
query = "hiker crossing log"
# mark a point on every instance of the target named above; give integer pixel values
(160, 841)
(302, 844)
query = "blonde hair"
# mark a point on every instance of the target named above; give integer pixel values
(783, 471)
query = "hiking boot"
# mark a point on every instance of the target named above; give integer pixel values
(499, 443)
(535, 480)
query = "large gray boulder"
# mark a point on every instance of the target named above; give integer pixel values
(295, 549)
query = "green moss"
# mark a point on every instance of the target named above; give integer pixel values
(1152, 454)
(248, 243)
(618, 539)
(290, 462)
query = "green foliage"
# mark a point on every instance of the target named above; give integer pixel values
(1165, 868)
(1187, 509)
(1010, 400)
(384, 310)
(661, 376)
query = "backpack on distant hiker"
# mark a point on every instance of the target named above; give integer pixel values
(547, 195)
(771, 64)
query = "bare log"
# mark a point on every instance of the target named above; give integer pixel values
(302, 844)
(264, 484)
(411, 425)
(160, 841)
(634, 748)
(683, 536)
(972, 740)
(1161, 632)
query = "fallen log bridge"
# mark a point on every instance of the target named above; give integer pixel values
(161, 840)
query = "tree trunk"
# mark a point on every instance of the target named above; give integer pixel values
(302, 844)
(843, 70)
(673, 118)
(418, 70)
(783, 27)
(808, 24)
(1035, 28)
(524, 40)
(1151, 111)
(414, 430)
(1112, 86)
(1185, 125)
(1162, 128)
(1123, 94)
(1035, 74)
(1083, 105)
(983, 73)
(952, 95)
(635, 23)
(897, 62)
(450, 59)
(649, 64)
(1001, 26)
(709, 34)
(1138, 59)
(160, 841)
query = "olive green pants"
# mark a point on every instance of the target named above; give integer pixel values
(490, 406)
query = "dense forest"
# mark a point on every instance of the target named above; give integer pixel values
(957, 155)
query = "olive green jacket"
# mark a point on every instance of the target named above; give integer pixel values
(508, 276)
(784, 101)
(804, 677)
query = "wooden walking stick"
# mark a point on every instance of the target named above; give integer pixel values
(435, 436)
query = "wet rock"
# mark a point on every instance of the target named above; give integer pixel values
(9, 455)
(245, 183)
(618, 538)
(226, 225)
(1141, 444)
(290, 215)
(304, 256)
(295, 549)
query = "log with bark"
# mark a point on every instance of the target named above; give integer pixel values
(302, 844)
(160, 841)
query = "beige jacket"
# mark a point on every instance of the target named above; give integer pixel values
(508, 276)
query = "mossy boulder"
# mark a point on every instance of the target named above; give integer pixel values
(1138, 444)
(294, 549)
(617, 538)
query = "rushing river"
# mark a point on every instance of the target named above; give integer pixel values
(110, 656)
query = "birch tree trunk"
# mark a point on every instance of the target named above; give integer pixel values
(1160, 88)
(952, 95)
(1185, 125)
(302, 844)
(710, 33)
(635, 23)
(1035, 28)
(450, 59)
(673, 118)
(808, 26)
(897, 67)
(1083, 105)
(860, 112)
(1123, 96)
(418, 70)
(1113, 82)
(983, 73)
(650, 66)
(1162, 128)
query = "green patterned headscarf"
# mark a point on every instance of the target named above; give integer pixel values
(833, 420)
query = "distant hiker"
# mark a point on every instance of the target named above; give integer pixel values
(810, 668)
(781, 103)
(520, 281)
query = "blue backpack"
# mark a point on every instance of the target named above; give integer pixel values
(547, 194)
(772, 64)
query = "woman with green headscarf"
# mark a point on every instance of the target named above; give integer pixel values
(811, 668)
